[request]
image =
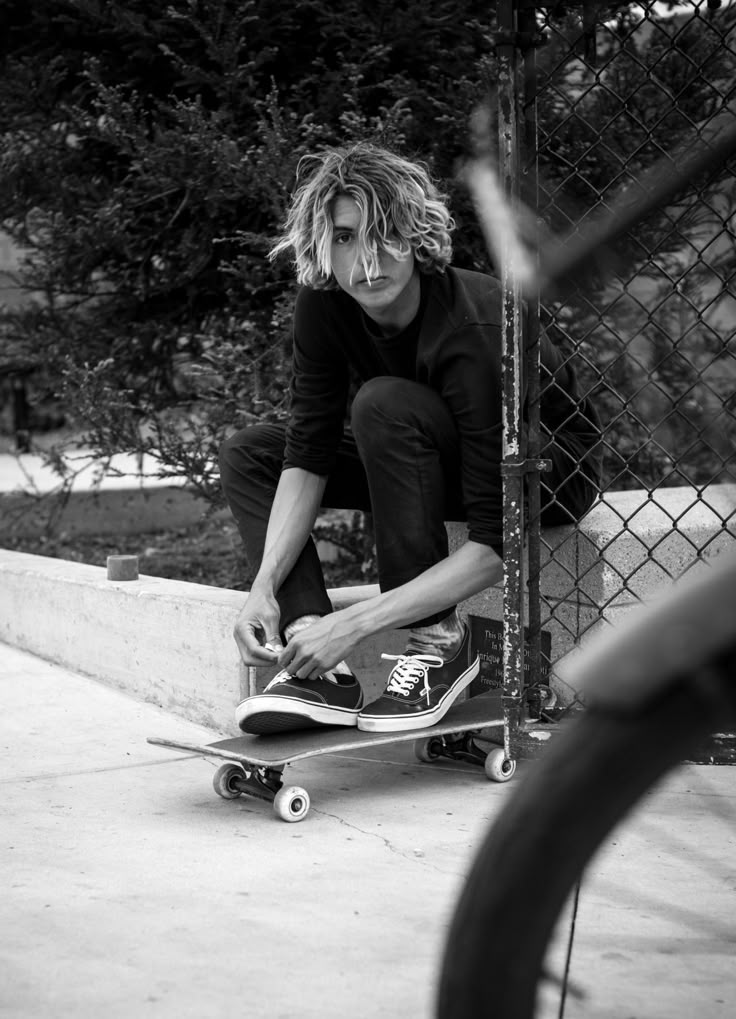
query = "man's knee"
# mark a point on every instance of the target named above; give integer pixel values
(388, 410)
(233, 450)
(387, 400)
(251, 449)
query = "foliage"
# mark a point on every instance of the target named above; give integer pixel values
(149, 148)
(658, 343)
(148, 153)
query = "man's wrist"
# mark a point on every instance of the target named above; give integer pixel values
(263, 585)
(360, 620)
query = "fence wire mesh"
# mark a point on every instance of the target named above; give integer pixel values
(607, 90)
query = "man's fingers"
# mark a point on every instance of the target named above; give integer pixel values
(256, 655)
(300, 662)
(252, 651)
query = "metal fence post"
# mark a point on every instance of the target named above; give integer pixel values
(513, 389)
(532, 358)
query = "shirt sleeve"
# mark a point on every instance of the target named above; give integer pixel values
(319, 387)
(470, 382)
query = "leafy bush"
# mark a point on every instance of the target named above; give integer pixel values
(149, 148)
(149, 151)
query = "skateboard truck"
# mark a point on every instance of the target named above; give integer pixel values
(464, 747)
(232, 780)
(541, 702)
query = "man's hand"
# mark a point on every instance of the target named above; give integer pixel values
(257, 629)
(319, 647)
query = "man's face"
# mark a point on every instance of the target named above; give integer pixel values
(389, 289)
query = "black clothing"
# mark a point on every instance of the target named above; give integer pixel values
(398, 461)
(425, 438)
(454, 347)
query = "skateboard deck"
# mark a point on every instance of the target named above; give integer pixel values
(254, 764)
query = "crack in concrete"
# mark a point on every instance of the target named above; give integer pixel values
(387, 842)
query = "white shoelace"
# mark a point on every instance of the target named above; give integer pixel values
(410, 670)
(280, 677)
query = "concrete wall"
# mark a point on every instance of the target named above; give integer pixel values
(628, 546)
(164, 641)
(171, 642)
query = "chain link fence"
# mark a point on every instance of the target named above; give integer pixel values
(604, 91)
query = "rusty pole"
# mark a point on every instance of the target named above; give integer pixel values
(513, 387)
(530, 148)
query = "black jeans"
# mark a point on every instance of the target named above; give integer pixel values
(399, 461)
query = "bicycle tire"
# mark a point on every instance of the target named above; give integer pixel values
(534, 853)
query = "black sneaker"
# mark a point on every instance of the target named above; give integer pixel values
(421, 690)
(289, 703)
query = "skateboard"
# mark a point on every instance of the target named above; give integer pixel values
(254, 765)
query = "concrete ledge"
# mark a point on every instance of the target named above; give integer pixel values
(628, 546)
(171, 642)
(631, 543)
(164, 641)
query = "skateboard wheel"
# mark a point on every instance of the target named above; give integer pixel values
(428, 749)
(225, 781)
(498, 767)
(291, 803)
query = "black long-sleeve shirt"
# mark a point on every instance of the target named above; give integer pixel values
(453, 345)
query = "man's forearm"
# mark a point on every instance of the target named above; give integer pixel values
(472, 568)
(294, 511)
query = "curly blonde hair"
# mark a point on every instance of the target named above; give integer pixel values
(401, 211)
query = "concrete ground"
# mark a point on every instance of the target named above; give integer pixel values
(131, 890)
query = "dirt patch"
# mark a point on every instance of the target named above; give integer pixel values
(208, 553)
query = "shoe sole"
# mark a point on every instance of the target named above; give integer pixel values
(405, 723)
(274, 722)
(276, 714)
